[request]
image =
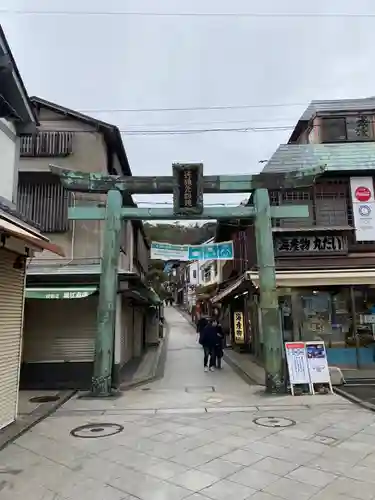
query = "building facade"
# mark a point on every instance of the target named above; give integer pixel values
(59, 351)
(20, 238)
(325, 269)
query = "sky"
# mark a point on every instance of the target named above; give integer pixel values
(258, 60)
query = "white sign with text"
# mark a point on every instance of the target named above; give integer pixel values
(363, 201)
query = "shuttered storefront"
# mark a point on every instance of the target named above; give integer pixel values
(11, 312)
(57, 332)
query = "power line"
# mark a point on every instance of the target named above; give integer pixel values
(193, 108)
(186, 131)
(286, 15)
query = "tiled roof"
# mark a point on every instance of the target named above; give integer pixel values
(335, 157)
(314, 107)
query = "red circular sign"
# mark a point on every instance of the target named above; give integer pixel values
(362, 193)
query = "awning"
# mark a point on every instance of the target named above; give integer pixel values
(146, 295)
(36, 240)
(229, 289)
(60, 293)
(320, 277)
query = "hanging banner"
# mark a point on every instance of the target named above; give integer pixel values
(363, 202)
(211, 251)
(297, 363)
(317, 363)
(167, 251)
(239, 331)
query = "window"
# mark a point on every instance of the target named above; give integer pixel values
(43, 199)
(46, 144)
(295, 198)
(350, 128)
(194, 274)
(331, 206)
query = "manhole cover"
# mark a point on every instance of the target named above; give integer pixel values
(274, 422)
(44, 399)
(96, 430)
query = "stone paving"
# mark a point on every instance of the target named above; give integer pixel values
(195, 436)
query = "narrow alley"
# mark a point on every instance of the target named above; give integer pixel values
(198, 436)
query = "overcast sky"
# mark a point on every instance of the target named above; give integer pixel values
(114, 62)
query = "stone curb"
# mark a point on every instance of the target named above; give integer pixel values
(354, 399)
(241, 372)
(19, 427)
(158, 366)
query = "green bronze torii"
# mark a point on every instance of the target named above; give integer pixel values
(187, 186)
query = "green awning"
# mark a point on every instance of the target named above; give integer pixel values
(60, 293)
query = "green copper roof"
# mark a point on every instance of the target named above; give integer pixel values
(350, 156)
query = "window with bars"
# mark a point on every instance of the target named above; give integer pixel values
(46, 144)
(43, 199)
(293, 197)
(347, 128)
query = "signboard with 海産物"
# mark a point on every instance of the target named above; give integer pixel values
(315, 244)
(239, 331)
(187, 188)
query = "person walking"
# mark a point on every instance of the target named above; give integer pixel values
(219, 346)
(208, 340)
(201, 325)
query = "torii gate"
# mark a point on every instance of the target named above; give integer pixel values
(187, 186)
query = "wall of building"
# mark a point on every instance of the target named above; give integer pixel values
(9, 160)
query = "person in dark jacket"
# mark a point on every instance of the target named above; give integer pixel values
(201, 325)
(219, 347)
(209, 339)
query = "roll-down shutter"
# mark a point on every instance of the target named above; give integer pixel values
(11, 312)
(60, 330)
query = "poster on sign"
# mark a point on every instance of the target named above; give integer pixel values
(317, 363)
(297, 365)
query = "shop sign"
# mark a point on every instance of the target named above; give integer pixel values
(297, 363)
(215, 251)
(363, 201)
(239, 332)
(311, 244)
(317, 363)
(38, 293)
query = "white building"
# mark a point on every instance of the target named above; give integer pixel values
(202, 273)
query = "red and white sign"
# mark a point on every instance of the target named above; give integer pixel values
(297, 363)
(363, 201)
(362, 193)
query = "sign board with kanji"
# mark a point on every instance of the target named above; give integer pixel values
(188, 188)
(311, 244)
(239, 330)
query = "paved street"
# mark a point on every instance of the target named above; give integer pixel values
(197, 436)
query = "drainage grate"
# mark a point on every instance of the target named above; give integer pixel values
(44, 399)
(90, 431)
(200, 390)
(274, 422)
